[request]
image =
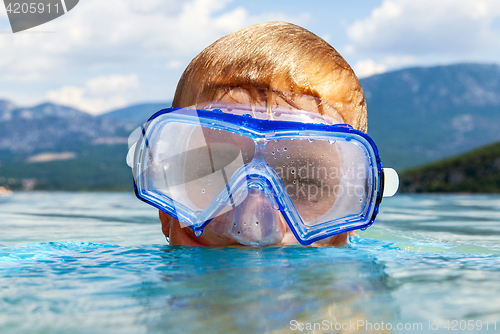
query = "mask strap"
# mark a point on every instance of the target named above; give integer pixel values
(391, 182)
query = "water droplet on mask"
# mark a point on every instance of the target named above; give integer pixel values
(313, 199)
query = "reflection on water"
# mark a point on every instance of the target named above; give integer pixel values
(97, 263)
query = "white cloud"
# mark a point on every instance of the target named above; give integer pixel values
(96, 34)
(426, 27)
(367, 67)
(174, 64)
(98, 95)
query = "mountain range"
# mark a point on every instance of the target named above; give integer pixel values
(421, 114)
(415, 115)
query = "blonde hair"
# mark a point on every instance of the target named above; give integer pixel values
(274, 60)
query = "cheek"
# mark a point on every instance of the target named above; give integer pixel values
(217, 232)
(165, 223)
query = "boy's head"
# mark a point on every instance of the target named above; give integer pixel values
(269, 66)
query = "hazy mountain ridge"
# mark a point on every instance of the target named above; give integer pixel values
(420, 114)
(416, 115)
(49, 126)
(136, 114)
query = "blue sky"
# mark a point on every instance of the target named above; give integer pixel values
(106, 54)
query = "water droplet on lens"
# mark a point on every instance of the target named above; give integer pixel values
(273, 153)
(311, 140)
(198, 233)
(292, 171)
(288, 157)
(285, 149)
(313, 199)
(202, 191)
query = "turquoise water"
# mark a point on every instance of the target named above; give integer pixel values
(98, 263)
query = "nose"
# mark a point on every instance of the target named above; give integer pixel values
(256, 222)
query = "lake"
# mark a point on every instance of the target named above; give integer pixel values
(98, 263)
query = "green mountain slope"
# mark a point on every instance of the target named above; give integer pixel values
(474, 171)
(94, 168)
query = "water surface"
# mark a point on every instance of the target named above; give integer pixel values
(98, 263)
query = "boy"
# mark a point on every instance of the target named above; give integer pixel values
(270, 70)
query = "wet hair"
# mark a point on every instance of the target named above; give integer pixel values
(271, 61)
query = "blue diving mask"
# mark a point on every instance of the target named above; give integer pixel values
(297, 172)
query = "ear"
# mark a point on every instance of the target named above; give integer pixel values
(165, 223)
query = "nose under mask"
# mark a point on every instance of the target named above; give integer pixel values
(256, 222)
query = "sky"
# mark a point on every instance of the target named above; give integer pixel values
(107, 54)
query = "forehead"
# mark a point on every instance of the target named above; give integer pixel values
(274, 105)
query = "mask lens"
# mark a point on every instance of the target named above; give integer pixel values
(212, 158)
(190, 163)
(325, 179)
